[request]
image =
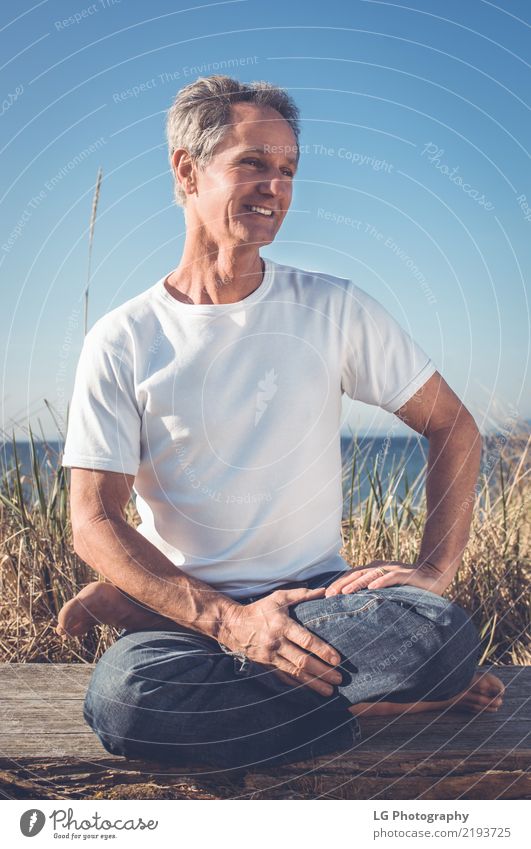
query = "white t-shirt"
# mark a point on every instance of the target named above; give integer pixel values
(228, 416)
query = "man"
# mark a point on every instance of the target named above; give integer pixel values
(216, 395)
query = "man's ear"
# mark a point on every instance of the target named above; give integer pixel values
(183, 167)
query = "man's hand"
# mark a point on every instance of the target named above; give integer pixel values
(264, 632)
(388, 573)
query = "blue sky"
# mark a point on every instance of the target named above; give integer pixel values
(414, 181)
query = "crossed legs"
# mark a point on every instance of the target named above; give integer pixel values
(162, 691)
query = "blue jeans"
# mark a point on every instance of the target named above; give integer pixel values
(181, 697)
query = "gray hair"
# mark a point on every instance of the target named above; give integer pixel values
(199, 117)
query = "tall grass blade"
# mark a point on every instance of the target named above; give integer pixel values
(95, 200)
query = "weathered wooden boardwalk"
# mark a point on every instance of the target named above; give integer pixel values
(47, 751)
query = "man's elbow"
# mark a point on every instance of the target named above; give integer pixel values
(466, 433)
(459, 421)
(467, 423)
(83, 531)
(460, 427)
(80, 532)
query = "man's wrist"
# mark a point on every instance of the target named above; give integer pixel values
(205, 610)
(228, 609)
(443, 567)
(424, 561)
(442, 572)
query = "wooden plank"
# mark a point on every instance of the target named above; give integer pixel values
(45, 680)
(46, 743)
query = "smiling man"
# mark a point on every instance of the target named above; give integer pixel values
(215, 396)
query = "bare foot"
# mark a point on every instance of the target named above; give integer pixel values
(100, 603)
(484, 693)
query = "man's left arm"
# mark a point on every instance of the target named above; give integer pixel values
(436, 412)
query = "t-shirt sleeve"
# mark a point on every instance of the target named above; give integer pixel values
(104, 421)
(382, 364)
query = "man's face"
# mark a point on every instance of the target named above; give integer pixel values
(238, 178)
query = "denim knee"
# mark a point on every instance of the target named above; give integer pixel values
(398, 643)
(450, 646)
(133, 699)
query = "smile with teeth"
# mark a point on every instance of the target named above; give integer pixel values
(262, 210)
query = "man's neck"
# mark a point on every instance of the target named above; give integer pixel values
(216, 277)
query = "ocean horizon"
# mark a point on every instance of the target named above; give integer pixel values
(397, 461)
(382, 454)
